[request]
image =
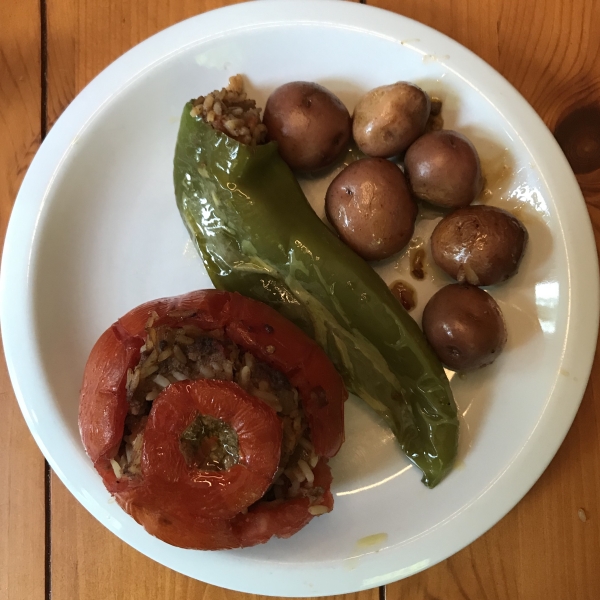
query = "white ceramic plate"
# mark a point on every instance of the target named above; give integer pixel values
(95, 231)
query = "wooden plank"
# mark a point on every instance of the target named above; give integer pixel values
(88, 562)
(21, 463)
(542, 549)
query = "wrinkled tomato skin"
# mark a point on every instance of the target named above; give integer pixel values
(103, 402)
(214, 494)
(257, 329)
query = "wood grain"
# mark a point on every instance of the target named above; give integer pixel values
(21, 463)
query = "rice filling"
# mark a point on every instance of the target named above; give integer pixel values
(230, 111)
(185, 351)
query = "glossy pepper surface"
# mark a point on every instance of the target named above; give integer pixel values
(258, 235)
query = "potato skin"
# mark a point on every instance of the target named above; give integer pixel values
(443, 168)
(481, 245)
(388, 119)
(370, 206)
(464, 326)
(311, 126)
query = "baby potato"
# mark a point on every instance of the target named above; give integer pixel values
(464, 326)
(481, 245)
(370, 206)
(443, 168)
(388, 119)
(311, 126)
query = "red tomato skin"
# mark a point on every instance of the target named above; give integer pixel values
(210, 308)
(103, 403)
(210, 494)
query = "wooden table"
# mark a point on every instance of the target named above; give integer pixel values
(546, 547)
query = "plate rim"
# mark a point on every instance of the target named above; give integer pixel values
(15, 306)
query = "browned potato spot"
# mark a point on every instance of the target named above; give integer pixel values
(371, 208)
(311, 125)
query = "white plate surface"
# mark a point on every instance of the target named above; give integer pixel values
(95, 231)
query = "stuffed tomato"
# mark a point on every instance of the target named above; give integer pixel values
(211, 418)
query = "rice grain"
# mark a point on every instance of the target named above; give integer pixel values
(317, 510)
(162, 381)
(206, 372)
(116, 468)
(165, 354)
(245, 375)
(308, 474)
(179, 354)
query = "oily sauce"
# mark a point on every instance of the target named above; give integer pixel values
(404, 293)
